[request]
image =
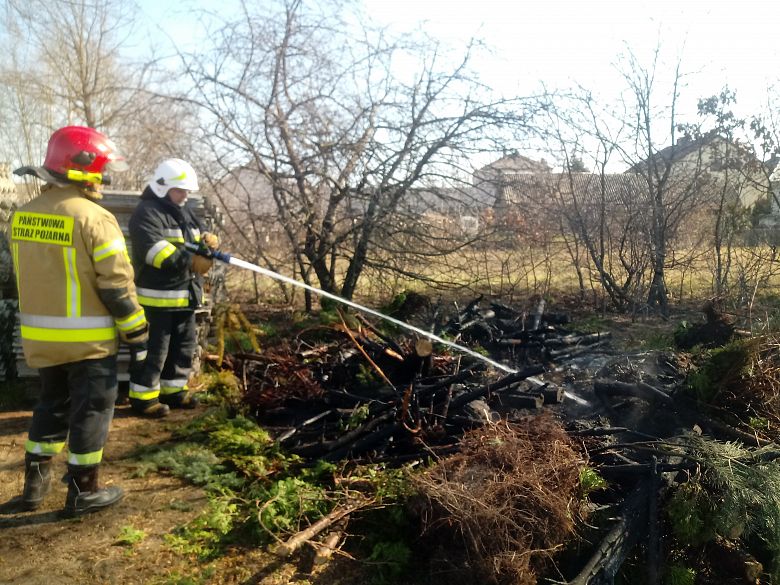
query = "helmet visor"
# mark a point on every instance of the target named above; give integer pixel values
(116, 160)
(116, 165)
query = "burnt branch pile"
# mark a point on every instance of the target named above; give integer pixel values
(533, 336)
(351, 391)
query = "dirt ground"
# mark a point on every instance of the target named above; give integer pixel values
(42, 548)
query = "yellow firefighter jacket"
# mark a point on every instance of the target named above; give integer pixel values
(74, 278)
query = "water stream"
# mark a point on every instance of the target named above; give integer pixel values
(276, 276)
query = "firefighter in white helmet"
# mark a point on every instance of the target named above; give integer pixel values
(170, 287)
(76, 299)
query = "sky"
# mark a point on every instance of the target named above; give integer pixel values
(560, 41)
(563, 42)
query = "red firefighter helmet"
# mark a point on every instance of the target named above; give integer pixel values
(82, 154)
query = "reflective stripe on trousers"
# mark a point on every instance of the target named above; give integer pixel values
(171, 347)
(141, 392)
(168, 387)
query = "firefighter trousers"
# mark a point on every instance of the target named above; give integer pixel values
(166, 369)
(76, 405)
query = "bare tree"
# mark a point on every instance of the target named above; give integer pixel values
(601, 212)
(68, 63)
(74, 61)
(674, 178)
(349, 152)
(655, 169)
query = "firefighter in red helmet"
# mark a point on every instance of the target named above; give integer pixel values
(76, 301)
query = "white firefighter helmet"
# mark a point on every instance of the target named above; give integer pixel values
(173, 173)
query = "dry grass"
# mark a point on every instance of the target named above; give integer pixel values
(523, 268)
(512, 496)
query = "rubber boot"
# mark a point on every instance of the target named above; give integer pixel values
(185, 399)
(37, 480)
(149, 408)
(84, 495)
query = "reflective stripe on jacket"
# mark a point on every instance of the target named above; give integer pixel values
(74, 278)
(163, 270)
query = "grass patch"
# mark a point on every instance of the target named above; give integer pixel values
(129, 536)
(658, 340)
(256, 493)
(591, 324)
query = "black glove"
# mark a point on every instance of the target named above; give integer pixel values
(136, 336)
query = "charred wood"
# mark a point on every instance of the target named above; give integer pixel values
(505, 311)
(538, 315)
(462, 376)
(318, 351)
(386, 338)
(638, 390)
(563, 354)
(569, 340)
(427, 453)
(344, 397)
(521, 400)
(715, 426)
(348, 438)
(363, 444)
(524, 342)
(644, 468)
(618, 543)
(602, 431)
(535, 387)
(306, 423)
(465, 398)
(726, 430)
(653, 531)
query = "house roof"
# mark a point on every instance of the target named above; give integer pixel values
(584, 188)
(686, 146)
(516, 163)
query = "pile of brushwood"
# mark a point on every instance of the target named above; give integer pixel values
(497, 482)
(347, 389)
(513, 495)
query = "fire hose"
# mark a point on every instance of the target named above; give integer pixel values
(203, 250)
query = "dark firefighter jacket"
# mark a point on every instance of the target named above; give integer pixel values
(164, 277)
(74, 277)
